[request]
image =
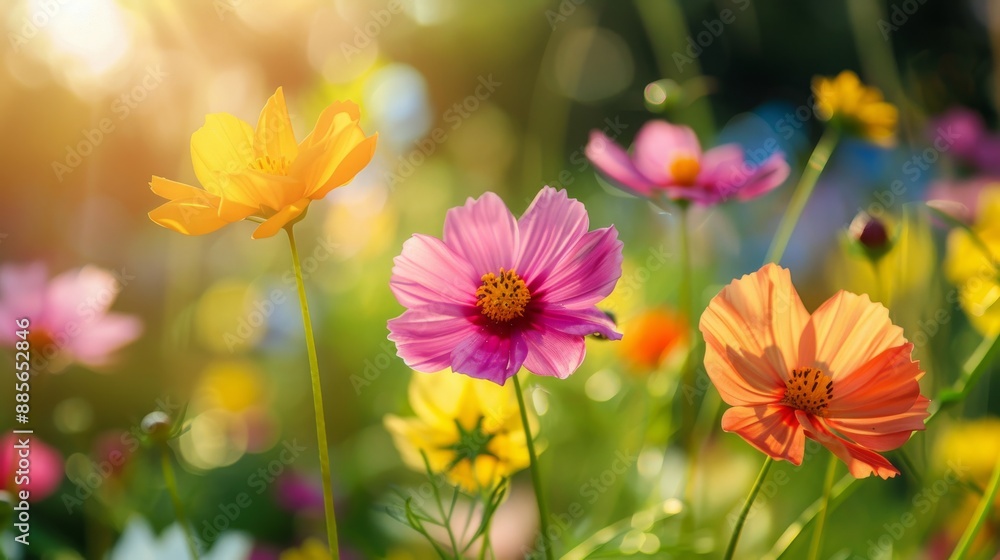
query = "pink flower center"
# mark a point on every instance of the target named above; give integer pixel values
(684, 170)
(810, 390)
(502, 297)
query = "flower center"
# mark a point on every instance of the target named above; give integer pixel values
(810, 390)
(502, 297)
(271, 165)
(471, 443)
(684, 170)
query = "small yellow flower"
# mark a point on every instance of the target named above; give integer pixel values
(263, 174)
(973, 267)
(857, 108)
(312, 549)
(469, 429)
(973, 444)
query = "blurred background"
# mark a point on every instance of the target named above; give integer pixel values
(98, 95)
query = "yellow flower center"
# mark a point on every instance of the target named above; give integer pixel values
(271, 165)
(502, 297)
(684, 170)
(810, 390)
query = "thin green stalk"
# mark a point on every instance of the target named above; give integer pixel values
(814, 167)
(486, 540)
(445, 518)
(685, 292)
(817, 541)
(171, 480)
(317, 391)
(978, 518)
(536, 482)
(731, 548)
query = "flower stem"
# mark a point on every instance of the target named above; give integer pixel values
(814, 167)
(317, 391)
(684, 293)
(536, 482)
(817, 540)
(171, 480)
(731, 548)
(979, 517)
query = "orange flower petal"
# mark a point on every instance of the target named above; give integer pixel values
(849, 330)
(861, 461)
(189, 217)
(351, 165)
(771, 428)
(752, 331)
(884, 386)
(274, 136)
(885, 433)
(255, 188)
(279, 220)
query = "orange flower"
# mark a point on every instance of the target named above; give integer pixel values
(842, 376)
(263, 174)
(651, 337)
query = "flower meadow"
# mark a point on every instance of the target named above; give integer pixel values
(537, 280)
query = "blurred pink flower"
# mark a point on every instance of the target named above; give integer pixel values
(498, 293)
(45, 467)
(963, 194)
(967, 139)
(667, 159)
(69, 313)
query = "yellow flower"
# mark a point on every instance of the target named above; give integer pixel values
(973, 269)
(857, 108)
(263, 174)
(312, 549)
(974, 444)
(469, 429)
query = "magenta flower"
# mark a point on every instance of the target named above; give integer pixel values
(667, 160)
(69, 314)
(497, 293)
(46, 467)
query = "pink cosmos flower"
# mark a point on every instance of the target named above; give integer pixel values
(46, 467)
(497, 293)
(667, 160)
(69, 314)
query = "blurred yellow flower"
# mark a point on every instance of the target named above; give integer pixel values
(263, 174)
(971, 265)
(650, 337)
(974, 445)
(311, 549)
(469, 429)
(855, 107)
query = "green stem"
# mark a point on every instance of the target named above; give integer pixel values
(978, 518)
(731, 548)
(536, 482)
(814, 167)
(685, 292)
(171, 480)
(317, 391)
(486, 540)
(817, 540)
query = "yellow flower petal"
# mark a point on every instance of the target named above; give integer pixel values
(274, 136)
(335, 118)
(279, 220)
(172, 190)
(220, 147)
(352, 164)
(257, 189)
(188, 217)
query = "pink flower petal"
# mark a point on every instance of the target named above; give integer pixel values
(549, 229)
(78, 297)
(553, 353)
(614, 162)
(771, 428)
(580, 322)
(768, 176)
(588, 272)
(100, 338)
(428, 273)
(22, 294)
(487, 355)
(425, 340)
(484, 232)
(658, 144)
